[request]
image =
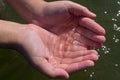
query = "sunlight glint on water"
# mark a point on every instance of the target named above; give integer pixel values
(105, 49)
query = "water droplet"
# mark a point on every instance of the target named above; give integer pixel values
(113, 19)
(105, 49)
(116, 65)
(91, 75)
(98, 55)
(85, 70)
(117, 15)
(105, 12)
(116, 40)
(118, 2)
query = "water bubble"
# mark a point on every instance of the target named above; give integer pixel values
(98, 49)
(116, 65)
(118, 2)
(116, 27)
(117, 15)
(105, 12)
(118, 11)
(116, 40)
(105, 49)
(92, 74)
(85, 70)
(98, 55)
(113, 19)
(114, 36)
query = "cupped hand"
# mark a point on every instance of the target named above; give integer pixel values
(61, 16)
(57, 55)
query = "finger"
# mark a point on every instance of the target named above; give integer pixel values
(91, 35)
(79, 10)
(48, 69)
(79, 66)
(91, 25)
(79, 53)
(92, 56)
(86, 41)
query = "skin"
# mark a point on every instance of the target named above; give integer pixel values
(63, 45)
(61, 56)
(44, 49)
(60, 17)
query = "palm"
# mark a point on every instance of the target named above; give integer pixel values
(66, 53)
(57, 55)
(66, 49)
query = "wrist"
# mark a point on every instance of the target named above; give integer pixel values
(10, 34)
(27, 8)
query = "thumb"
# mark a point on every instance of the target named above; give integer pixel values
(61, 73)
(79, 10)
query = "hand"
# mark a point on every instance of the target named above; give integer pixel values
(61, 16)
(54, 55)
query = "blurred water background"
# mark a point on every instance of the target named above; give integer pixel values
(13, 66)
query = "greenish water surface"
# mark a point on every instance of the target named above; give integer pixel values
(13, 66)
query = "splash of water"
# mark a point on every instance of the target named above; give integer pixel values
(105, 49)
(91, 74)
(115, 39)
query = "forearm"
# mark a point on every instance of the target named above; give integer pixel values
(9, 34)
(26, 8)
